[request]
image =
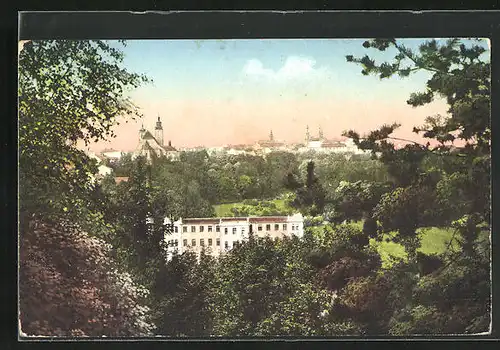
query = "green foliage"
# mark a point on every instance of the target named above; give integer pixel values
(438, 185)
(68, 91)
(309, 196)
(70, 285)
(184, 288)
(354, 201)
(265, 289)
(262, 208)
(254, 207)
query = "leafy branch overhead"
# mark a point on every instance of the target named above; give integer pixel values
(69, 91)
(459, 72)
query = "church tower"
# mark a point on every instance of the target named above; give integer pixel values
(271, 136)
(141, 132)
(159, 131)
(308, 137)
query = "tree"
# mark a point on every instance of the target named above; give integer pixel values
(446, 183)
(310, 196)
(70, 91)
(461, 75)
(265, 287)
(355, 201)
(184, 288)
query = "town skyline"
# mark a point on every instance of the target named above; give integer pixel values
(226, 92)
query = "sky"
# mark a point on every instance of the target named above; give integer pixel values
(223, 92)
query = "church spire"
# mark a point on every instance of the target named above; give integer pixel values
(158, 124)
(307, 133)
(141, 131)
(159, 131)
(271, 136)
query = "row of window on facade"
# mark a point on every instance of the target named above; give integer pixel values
(226, 229)
(175, 243)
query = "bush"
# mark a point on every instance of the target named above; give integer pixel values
(69, 286)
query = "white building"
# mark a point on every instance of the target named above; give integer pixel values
(322, 145)
(264, 147)
(219, 235)
(112, 154)
(236, 150)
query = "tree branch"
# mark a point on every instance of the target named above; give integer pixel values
(401, 50)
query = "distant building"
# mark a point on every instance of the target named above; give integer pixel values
(150, 145)
(271, 145)
(112, 155)
(219, 235)
(102, 170)
(320, 144)
(235, 150)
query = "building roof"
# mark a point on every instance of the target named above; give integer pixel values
(241, 218)
(271, 143)
(169, 148)
(239, 147)
(268, 219)
(332, 144)
(148, 136)
(230, 218)
(201, 221)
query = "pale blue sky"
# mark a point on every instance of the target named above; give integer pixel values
(215, 67)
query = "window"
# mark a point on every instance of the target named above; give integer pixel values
(225, 230)
(234, 230)
(202, 242)
(202, 228)
(209, 228)
(193, 242)
(259, 228)
(276, 227)
(193, 228)
(184, 229)
(210, 242)
(284, 227)
(226, 244)
(242, 230)
(217, 228)
(176, 229)
(176, 243)
(268, 227)
(236, 243)
(217, 241)
(185, 242)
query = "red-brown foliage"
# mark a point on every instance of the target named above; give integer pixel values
(69, 286)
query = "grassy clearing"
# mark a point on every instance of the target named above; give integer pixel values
(281, 204)
(224, 210)
(434, 241)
